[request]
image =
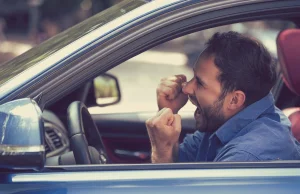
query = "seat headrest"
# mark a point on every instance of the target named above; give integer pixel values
(288, 47)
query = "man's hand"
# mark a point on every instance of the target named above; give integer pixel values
(169, 93)
(164, 130)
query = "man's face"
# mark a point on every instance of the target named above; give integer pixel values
(204, 91)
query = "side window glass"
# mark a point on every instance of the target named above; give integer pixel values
(139, 76)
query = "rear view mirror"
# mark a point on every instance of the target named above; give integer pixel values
(21, 135)
(107, 91)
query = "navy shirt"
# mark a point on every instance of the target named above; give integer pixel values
(260, 132)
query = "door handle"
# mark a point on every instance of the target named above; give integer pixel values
(133, 154)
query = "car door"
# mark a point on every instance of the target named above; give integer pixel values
(169, 178)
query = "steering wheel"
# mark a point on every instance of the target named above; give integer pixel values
(84, 132)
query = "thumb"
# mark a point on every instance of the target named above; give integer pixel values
(177, 123)
(183, 97)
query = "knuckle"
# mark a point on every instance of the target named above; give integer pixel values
(168, 90)
(173, 90)
(168, 110)
(149, 122)
(155, 122)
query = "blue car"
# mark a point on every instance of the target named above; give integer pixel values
(65, 128)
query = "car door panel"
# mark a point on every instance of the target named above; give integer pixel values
(125, 135)
(155, 179)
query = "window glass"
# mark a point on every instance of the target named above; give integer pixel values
(139, 76)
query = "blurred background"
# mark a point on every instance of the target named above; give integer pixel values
(26, 23)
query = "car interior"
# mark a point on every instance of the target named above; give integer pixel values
(121, 138)
(289, 56)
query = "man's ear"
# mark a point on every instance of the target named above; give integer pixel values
(237, 100)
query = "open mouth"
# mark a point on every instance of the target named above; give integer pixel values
(197, 112)
(193, 101)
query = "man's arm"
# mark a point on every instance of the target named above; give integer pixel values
(164, 128)
(185, 152)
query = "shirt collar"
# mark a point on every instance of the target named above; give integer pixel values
(236, 123)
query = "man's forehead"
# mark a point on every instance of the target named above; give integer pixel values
(204, 62)
(205, 66)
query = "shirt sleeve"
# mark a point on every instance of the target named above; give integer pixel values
(237, 156)
(189, 147)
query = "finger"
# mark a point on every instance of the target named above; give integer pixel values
(175, 78)
(183, 85)
(166, 116)
(160, 112)
(181, 77)
(170, 121)
(177, 123)
(168, 92)
(149, 122)
(177, 86)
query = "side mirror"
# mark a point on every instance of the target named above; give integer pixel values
(107, 90)
(21, 135)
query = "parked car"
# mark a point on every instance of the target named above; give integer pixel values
(51, 143)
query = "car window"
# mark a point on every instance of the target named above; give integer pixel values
(139, 76)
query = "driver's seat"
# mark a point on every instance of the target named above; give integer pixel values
(288, 45)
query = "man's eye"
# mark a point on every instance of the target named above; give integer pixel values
(199, 84)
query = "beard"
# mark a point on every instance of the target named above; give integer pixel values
(210, 118)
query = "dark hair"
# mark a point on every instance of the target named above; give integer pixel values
(245, 64)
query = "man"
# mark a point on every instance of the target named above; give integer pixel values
(236, 118)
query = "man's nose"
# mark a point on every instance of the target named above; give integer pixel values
(187, 88)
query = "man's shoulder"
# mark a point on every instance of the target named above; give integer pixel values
(269, 125)
(267, 139)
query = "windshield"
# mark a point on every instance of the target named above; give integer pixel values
(42, 51)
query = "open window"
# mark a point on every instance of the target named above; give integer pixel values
(123, 125)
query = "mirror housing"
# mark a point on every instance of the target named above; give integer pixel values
(21, 135)
(107, 90)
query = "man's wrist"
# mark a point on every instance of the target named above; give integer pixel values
(161, 158)
(166, 155)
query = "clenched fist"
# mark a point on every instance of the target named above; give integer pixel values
(169, 93)
(164, 130)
